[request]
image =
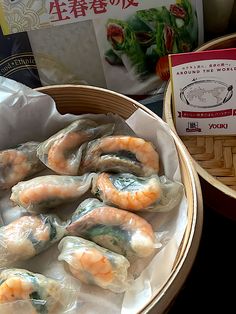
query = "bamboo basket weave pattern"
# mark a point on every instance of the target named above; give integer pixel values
(216, 154)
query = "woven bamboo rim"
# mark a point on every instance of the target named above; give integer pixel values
(214, 156)
(85, 99)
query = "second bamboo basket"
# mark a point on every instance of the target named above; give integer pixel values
(214, 156)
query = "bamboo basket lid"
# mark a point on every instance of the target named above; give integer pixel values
(214, 157)
(78, 99)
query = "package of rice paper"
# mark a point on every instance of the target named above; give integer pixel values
(121, 45)
(17, 60)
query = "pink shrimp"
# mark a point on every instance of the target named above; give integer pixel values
(62, 151)
(15, 288)
(28, 236)
(24, 224)
(17, 232)
(14, 167)
(115, 217)
(93, 262)
(17, 164)
(45, 192)
(131, 228)
(23, 285)
(20, 239)
(36, 194)
(134, 200)
(57, 160)
(146, 163)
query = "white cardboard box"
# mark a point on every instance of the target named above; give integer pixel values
(204, 92)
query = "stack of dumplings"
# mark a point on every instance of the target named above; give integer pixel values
(105, 233)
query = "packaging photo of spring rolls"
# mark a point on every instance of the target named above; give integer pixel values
(31, 115)
(135, 48)
(119, 45)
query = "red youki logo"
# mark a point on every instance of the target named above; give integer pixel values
(218, 126)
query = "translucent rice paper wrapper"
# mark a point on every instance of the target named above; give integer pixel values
(27, 115)
(49, 296)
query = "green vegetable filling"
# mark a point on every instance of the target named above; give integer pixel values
(129, 183)
(40, 245)
(2, 281)
(53, 230)
(81, 211)
(112, 237)
(123, 154)
(39, 304)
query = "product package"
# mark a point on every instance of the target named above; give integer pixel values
(203, 85)
(17, 61)
(119, 45)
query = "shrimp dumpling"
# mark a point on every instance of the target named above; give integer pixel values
(18, 163)
(62, 151)
(120, 154)
(133, 193)
(28, 236)
(118, 230)
(41, 193)
(21, 289)
(93, 264)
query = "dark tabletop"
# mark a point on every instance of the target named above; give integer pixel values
(210, 284)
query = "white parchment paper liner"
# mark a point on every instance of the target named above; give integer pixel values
(27, 115)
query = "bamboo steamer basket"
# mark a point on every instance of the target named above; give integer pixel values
(84, 99)
(214, 157)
